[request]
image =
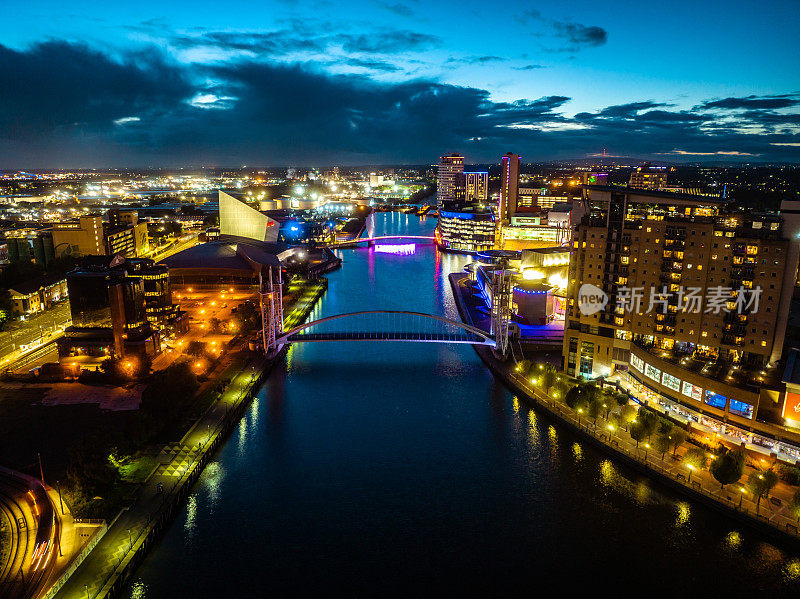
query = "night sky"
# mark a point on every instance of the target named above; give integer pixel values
(231, 82)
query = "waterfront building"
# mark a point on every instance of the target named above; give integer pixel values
(509, 187)
(119, 307)
(476, 187)
(450, 179)
(81, 237)
(465, 230)
(648, 177)
(237, 219)
(684, 298)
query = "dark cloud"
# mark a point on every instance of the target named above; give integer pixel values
(477, 59)
(752, 103)
(375, 65)
(56, 85)
(69, 105)
(529, 67)
(298, 37)
(577, 35)
(402, 10)
(581, 35)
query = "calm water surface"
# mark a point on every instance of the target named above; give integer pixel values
(373, 468)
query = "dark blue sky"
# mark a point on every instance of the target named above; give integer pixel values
(350, 82)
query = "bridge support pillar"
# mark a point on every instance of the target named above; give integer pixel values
(271, 292)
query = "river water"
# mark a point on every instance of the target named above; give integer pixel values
(387, 468)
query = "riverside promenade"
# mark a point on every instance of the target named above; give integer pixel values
(105, 571)
(772, 517)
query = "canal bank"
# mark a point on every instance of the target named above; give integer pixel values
(766, 520)
(105, 571)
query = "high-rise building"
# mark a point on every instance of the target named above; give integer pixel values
(649, 177)
(450, 179)
(686, 299)
(476, 186)
(118, 307)
(509, 187)
(82, 237)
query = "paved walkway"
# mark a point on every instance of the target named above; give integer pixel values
(178, 464)
(773, 509)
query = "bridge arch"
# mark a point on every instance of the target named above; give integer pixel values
(487, 339)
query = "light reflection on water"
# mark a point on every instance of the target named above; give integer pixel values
(365, 467)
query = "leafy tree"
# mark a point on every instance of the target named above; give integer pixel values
(196, 348)
(637, 431)
(789, 474)
(214, 325)
(649, 420)
(595, 406)
(677, 437)
(661, 444)
(7, 310)
(522, 367)
(695, 459)
(548, 377)
(794, 505)
(728, 467)
(627, 415)
(169, 391)
(574, 399)
(620, 397)
(760, 484)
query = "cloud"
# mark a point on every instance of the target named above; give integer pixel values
(529, 67)
(71, 105)
(580, 35)
(476, 59)
(374, 65)
(299, 37)
(59, 85)
(577, 35)
(402, 10)
(752, 103)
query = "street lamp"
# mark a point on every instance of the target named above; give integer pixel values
(741, 496)
(691, 469)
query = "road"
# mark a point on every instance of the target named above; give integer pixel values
(22, 335)
(186, 241)
(32, 560)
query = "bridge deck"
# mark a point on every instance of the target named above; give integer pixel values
(389, 336)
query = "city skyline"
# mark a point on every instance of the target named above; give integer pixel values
(381, 82)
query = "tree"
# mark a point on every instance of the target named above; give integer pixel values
(595, 406)
(7, 310)
(196, 348)
(621, 397)
(169, 391)
(728, 467)
(548, 376)
(637, 431)
(677, 437)
(695, 459)
(662, 444)
(760, 484)
(649, 421)
(794, 505)
(522, 367)
(574, 399)
(627, 414)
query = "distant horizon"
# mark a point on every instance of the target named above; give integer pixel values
(634, 162)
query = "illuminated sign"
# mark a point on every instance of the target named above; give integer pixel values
(637, 363)
(692, 391)
(405, 249)
(791, 406)
(653, 372)
(670, 381)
